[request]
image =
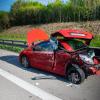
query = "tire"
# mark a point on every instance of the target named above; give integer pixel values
(76, 75)
(25, 62)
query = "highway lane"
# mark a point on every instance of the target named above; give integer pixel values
(59, 87)
(10, 91)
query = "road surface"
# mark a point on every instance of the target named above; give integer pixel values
(17, 83)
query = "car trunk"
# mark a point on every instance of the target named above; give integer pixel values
(73, 39)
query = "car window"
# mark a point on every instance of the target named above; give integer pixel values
(44, 46)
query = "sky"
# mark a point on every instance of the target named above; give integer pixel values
(5, 5)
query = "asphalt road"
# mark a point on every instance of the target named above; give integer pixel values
(56, 87)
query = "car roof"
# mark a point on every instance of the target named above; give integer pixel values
(73, 33)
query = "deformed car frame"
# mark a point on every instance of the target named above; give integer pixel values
(66, 53)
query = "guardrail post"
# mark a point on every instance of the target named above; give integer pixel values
(3, 41)
(12, 42)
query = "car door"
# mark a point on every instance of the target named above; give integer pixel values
(43, 56)
(61, 61)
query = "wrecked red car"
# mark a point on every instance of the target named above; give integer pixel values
(65, 53)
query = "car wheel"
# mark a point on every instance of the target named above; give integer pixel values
(24, 62)
(76, 75)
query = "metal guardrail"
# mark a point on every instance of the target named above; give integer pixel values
(21, 44)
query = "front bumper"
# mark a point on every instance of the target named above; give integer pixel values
(98, 72)
(95, 69)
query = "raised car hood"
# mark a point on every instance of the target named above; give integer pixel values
(69, 33)
(35, 35)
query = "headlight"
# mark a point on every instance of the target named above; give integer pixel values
(86, 59)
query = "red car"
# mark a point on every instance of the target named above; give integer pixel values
(66, 53)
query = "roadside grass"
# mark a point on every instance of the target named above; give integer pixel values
(13, 36)
(96, 41)
(11, 48)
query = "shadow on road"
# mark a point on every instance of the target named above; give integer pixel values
(14, 60)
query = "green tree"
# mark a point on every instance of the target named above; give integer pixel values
(4, 20)
(55, 10)
(26, 12)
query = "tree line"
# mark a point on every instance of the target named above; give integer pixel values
(25, 12)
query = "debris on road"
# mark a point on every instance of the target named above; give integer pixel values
(42, 76)
(36, 83)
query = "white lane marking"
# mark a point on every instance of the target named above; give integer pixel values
(28, 87)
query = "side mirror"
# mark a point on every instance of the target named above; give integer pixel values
(33, 44)
(33, 48)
